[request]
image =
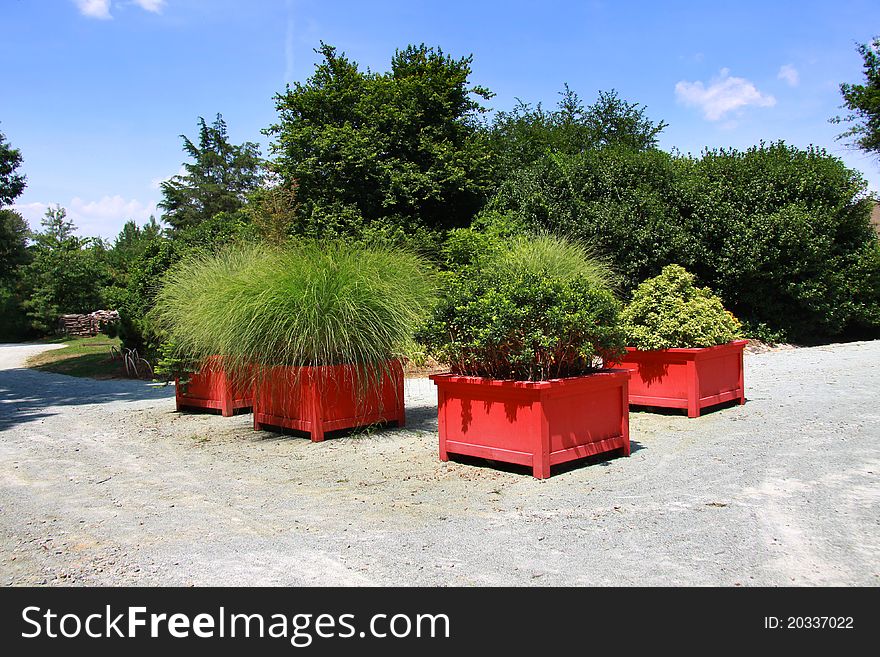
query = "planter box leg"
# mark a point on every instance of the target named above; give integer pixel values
(226, 409)
(541, 468)
(257, 425)
(693, 409)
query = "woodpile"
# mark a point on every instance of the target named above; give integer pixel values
(86, 325)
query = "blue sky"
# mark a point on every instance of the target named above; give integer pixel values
(96, 92)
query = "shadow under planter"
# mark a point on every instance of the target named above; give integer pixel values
(534, 423)
(212, 387)
(691, 379)
(317, 400)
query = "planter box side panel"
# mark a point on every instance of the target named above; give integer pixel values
(480, 416)
(720, 378)
(328, 400)
(657, 376)
(207, 385)
(590, 417)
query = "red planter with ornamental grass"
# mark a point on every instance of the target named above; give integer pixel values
(320, 327)
(212, 387)
(316, 400)
(691, 379)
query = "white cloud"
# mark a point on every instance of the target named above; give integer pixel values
(101, 8)
(104, 217)
(724, 94)
(94, 8)
(790, 74)
(155, 6)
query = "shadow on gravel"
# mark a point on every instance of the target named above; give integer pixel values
(660, 410)
(25, 394)
(418, 418)
(605, 459)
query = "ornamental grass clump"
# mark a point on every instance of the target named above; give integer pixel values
(310, 305)
(534, 308)
(670, 311)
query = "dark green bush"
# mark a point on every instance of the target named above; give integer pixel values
(669, 311)
(781, 234)
(526, 313)
(625, 203)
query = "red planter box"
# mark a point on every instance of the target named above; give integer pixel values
(538, 424)
(321, 399)
(211, 387)
(686, 378)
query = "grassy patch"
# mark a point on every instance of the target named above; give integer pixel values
(86, 357)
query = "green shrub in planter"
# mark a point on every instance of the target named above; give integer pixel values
(532, 308)
(308, 305)
(670, 311)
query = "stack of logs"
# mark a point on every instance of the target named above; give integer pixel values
(86, 325)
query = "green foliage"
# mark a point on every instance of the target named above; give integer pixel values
(219, 179)
(157, 256)
(130, 244)
(14, 324)
(12, 183)
(670, 311)
(863, 102)
(624, 202)
(403, 147)
(13, 244)
(65, 275)
(527, 134)
(781, 234)
(526, 313)
(172, 363)
(311, 304)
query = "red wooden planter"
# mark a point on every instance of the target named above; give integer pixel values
(211, 387)
(539, 423)
(686, 378)
(321, 399)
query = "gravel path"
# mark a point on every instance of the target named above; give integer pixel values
(102, 482)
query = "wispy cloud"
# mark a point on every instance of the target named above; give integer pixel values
(94, 8)
(723, 94)
(155, 6)
(101, 8)
(103, 217)
(790, 74)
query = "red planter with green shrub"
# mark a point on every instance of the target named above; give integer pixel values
(692, 379)
(316, 400)
(212, 387)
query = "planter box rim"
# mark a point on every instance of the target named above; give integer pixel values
(690, 350)
(539, 385)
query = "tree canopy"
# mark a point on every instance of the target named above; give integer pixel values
(219, 178)
(527, 133)
(12, 183)
(863, 103)
(403, 147)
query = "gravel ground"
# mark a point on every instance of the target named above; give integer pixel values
(103, 483)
